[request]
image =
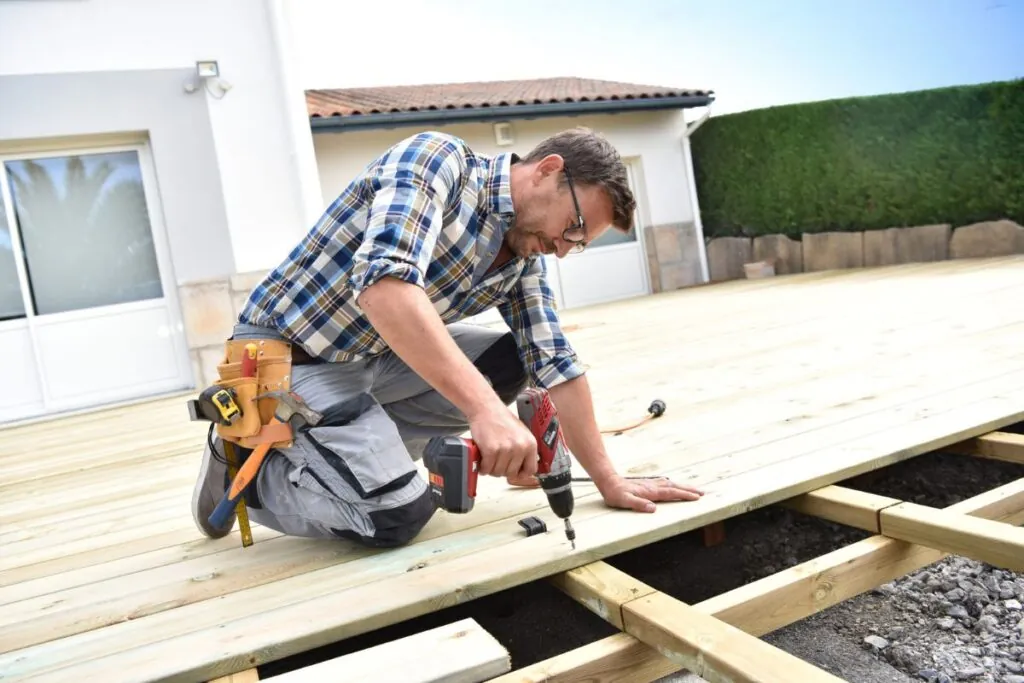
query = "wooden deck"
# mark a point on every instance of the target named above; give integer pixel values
(774, 387)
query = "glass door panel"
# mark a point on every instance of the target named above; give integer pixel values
(12, 304)
(85, 231)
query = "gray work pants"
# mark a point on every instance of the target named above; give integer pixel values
(354, 476)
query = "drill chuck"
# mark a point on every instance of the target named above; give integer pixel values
(558, 488)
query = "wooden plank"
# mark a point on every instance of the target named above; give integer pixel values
(247, 676)
(460, 652)
(620, 658)
(761, 407)
(775, 601)
(996, 543)
(1005, 446)
(712, 649)
(306, 609)
(843, 506)
(602, 589)
(689, 637)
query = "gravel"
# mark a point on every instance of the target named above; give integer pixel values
(948, 621)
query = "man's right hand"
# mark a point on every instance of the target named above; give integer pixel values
(407, 321)
(507, 448)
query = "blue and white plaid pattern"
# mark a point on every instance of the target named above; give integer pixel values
(429, 211)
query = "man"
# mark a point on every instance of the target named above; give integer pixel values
(428, 233)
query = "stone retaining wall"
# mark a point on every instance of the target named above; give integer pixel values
(838, 250)
(672, 257)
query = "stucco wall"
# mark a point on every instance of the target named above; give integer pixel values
(262, 145)
(653, 137)
(652, 140)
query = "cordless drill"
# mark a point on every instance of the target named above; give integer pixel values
(453, 462)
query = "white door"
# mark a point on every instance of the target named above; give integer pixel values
(88, 307)
(614, 266)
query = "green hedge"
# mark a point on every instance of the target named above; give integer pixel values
(951, 155)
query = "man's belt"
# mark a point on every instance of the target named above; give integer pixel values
(301, 357)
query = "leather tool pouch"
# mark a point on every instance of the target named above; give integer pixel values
(273, 373)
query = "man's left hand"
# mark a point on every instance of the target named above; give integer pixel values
(642, 495)
(632, 494)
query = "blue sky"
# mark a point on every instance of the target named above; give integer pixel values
(753, 53)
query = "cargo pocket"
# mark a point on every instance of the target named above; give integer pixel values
(365, 450)
(357, 456)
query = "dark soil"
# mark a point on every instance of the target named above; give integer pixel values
(536, 621)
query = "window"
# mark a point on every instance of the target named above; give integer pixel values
(613, 235)
(84, 228)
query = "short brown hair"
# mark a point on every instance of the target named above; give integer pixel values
(592, 160)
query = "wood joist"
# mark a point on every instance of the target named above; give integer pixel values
(719, 639)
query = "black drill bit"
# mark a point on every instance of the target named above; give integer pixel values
(570, 533)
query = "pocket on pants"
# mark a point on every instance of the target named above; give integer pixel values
(361, 445)
(357, 457)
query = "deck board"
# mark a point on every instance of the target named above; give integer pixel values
(774, 387)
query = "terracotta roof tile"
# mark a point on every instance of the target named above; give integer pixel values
(409, 98)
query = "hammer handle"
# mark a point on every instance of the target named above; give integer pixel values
(245, 475)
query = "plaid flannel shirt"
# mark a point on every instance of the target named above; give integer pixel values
(431, 212)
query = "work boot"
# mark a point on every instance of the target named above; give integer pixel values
(210, 487)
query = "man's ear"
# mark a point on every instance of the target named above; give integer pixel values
(550, 165)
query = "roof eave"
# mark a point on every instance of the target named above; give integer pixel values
(322, 124)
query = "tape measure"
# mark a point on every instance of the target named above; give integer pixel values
(215, 404)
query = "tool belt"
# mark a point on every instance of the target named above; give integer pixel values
(232, 402)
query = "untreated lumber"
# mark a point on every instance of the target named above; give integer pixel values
(690, 638)
(1005, 446)
(711, 648)
(996, 543)
(602, 589)
(459, 652)
(775, 601)
(843, 506)
(247, 676)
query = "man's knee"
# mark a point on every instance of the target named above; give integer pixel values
(396, 526)
(501, 364)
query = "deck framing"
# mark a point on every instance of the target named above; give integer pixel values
(770, 409)
(715, 652)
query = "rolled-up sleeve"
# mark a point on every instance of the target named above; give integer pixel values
(411, 187)
(529, 311)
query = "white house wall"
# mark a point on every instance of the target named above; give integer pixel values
(260, 132)
(653, 138)
(234, 171)
(651, 141)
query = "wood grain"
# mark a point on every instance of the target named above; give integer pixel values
(459, 652)
(774, 388)
(775, 601)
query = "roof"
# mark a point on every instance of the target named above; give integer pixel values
(476, 101)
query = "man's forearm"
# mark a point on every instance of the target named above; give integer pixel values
(576, 414)
(405, 319)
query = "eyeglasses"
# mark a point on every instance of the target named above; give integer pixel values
(575, 234)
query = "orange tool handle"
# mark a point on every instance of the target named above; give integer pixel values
(245, 475)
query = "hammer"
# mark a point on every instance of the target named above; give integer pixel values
(290, 409)
(290, 406)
